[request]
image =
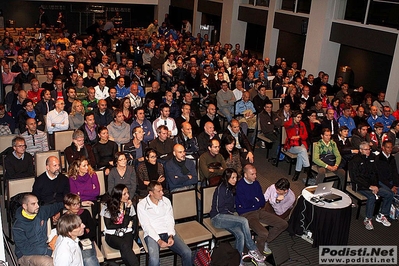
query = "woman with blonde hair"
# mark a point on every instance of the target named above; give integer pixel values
(76, 117)
(291, 98)
(113, 71)
(83, 180)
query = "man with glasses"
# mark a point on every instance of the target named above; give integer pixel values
(364, 175)
(19, 163)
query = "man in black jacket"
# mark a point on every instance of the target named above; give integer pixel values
(242, 142)
(330, 123)
(364, 174)
(270, 125)
(387, 170)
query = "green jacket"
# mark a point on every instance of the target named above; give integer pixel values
(322, 148)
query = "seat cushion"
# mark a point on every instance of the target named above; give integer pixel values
(216, 232)
(355, 194)
(192, 232)
(262, 137)
(328, 172)
(111, 253)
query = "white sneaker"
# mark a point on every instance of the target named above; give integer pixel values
(263, 145)
(256, 255)
(369, 225)
(382, 219)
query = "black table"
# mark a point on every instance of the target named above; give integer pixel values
(328, 222)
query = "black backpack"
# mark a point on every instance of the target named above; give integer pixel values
(15, 203)
(225, 255)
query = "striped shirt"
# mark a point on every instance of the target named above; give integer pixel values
(36, 142)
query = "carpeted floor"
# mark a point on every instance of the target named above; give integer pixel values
(300, 251)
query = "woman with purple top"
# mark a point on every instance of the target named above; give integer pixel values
(83, 181)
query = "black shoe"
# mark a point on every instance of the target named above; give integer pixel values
(273, 161)
(296, 176)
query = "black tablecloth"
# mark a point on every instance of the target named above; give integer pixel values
(328, 226)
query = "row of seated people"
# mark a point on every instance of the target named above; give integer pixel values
(338, 153)
(118, 212)
(325, 135)
(100, 153)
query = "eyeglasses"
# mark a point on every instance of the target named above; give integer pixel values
(76, 204)
(152, 157)
(20, 146)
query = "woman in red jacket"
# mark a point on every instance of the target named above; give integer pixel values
(296, 143)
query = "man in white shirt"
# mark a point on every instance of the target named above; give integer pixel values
(101, 89)
(155, 214)
(135, 99)
(164, 119)
(57, 119)
(168, 67)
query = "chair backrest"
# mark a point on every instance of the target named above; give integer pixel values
(20, 185)
(41, 78)
(62, 139)
(6, 141)
(276, 104)
(207, 196)
(40, 160)
(101, 180)
(26, 86)
(269, 93)
(7, 89)
(184, 204)
(283, 135)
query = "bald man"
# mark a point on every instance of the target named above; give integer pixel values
(250, 204)
(57, 119)
(189, 142)
(102, 114)
(180, 173)
(206, 135)
(51, 186)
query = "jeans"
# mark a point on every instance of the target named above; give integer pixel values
(387, 197)
(386, 187)
(124, 245)
(178, 247)
(227, 112)
(238, 226)
(303, 157)
(90, 257)
(277, 224)
(275, 137)
(157, 74)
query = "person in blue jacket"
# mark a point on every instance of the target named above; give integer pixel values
(222, 216)
(30, 231)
